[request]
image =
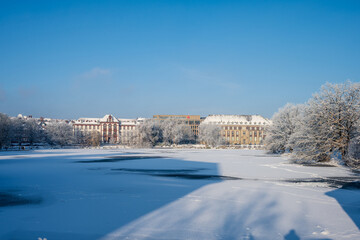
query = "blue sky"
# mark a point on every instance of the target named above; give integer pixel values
(70, 59)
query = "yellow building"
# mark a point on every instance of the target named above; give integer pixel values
(247, 130)
(192, 120)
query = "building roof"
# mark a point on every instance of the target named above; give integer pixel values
(96, 121)
(237, 119)
(106, 118)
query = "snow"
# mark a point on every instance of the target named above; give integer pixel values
(173, 194)
(96, 120)
(237, 119)
(106, 118)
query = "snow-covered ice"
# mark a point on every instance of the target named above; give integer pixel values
(173, 194)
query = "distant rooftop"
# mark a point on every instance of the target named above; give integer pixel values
(237, 119)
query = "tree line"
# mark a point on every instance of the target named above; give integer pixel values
(326, 127)
(153, 132)
(20, 132)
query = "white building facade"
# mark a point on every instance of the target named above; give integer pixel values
(129, 129)
(108, 127)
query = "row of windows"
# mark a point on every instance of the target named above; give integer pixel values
(239, 128)
(87, 127)
(243, 140)
(242, 123)
(127, 127)
(255, 133)
(194, 122)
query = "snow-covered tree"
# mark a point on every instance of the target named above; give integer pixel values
(183, 134)
(176, 131)
(32, 132)
(18, 130)
(5, 130)
(329, 123)
(210, 134)
(167, 127)
(284, 125)
(353, 156)
(150, 133)
(60, 133)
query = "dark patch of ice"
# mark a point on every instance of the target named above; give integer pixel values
(178, 173)
(351, 185)
(198, 176)
(335, 182)
(154, 171)
(317, 165)
(119, 158)
(11, 199)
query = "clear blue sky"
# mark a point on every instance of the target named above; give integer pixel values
(70, 59)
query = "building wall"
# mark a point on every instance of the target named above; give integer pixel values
(108, 127)
(240, 129)
(243, 135)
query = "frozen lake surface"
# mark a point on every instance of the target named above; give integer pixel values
(173, 194)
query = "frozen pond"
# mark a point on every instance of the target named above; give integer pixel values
(173, 194)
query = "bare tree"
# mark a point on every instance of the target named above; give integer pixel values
(87, 139)
(94, 139)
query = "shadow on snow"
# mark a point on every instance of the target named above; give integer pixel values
(348, 196)
(73, 201)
